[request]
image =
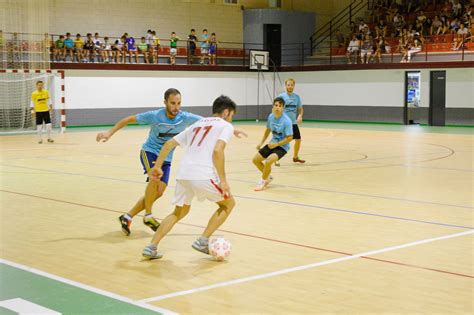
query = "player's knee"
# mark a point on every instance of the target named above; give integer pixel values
(256, 160)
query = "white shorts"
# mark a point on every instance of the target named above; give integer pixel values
(203, 189)
(173, 51)
(204, 51)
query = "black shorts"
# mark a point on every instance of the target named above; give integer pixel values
(43, 116)
(192, 50)
(296, 132)
(266, 151)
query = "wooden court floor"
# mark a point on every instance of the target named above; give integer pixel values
(379, 220)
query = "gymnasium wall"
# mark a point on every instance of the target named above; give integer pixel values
(101, 97)
(113, 18)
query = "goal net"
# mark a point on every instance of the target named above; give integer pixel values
(15, 99)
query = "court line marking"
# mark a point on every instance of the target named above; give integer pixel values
(87, 287)
(259, 237)
(277, 185)
(298, 268)
(272, 200)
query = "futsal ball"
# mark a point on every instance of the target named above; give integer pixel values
(219, 248)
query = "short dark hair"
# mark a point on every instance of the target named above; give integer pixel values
(279, 100)
(213, 34)
(37, 82)
(171, 91)
(204, 30)
(193, 30)
(222, 103)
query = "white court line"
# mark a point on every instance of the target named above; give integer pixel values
(304, 267)
(87, 287)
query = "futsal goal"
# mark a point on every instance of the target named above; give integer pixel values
(16, 87)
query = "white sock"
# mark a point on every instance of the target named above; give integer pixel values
(148, 215)
(39, 131)
(48, 129)
(127, 216)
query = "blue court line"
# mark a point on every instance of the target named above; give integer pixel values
(356, 212)
(273, 201)
(358, 194)
(294, 187)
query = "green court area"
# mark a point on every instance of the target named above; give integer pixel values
(46, 294)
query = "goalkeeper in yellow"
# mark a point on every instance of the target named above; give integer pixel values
(40, 108)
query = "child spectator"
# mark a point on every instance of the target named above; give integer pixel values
(213, 49)
(173, 48)
(204, 46)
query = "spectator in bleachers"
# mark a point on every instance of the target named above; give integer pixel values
(118, 49)
(59, 49)
(106, 50)
(379, 49)
(366, 49)
(462, 36)
(381, 29)
(173, 48)
(2, 40)
(131, 48)
(143, 48)
(353, 49)
(213, 49)
(156, 47)
(437, 26)
(454, 26)
(150, 44)
(78, 46)
(98, 47)
(456, 9)
(192, 39)
(69, 47)
(362, 25)
(204, 46)
(89, 49)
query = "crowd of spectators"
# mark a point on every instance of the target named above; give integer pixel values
(95, 48)
(405, 26)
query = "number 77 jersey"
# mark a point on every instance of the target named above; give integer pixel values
(198, 141)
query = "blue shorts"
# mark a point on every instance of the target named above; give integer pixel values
(148, 160)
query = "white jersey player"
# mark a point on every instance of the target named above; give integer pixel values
(201, 173)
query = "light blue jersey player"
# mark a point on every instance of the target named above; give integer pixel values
(294, 110)
(165, 124)
(279, 124)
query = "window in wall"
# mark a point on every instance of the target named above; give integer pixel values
(231, 1)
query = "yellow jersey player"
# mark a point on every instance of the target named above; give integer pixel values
(41, 107)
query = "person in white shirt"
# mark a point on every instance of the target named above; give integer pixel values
(352, 49)
(201, 173)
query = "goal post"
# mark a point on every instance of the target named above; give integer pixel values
(16, 87)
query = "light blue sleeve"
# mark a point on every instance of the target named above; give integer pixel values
(146, 117)
(299, 102)
(288, 128)
(268, 121)
(192, 118)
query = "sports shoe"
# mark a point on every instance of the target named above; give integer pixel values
(201, 245)
(40, 142)
(125, 224)
(151, 252)
(261, 185)
(298, 160)
(151, 222)
(269, 180)
(50, 140)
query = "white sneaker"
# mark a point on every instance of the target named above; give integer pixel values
(269, 180)
(261, 185)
